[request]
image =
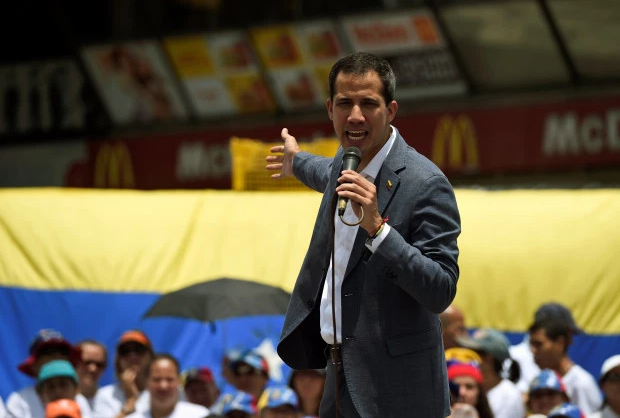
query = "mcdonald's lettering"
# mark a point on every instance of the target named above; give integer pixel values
(455, 137)
(113, 167)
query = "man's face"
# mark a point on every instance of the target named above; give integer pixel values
(547, 352)
(542, 401)
(48, 353)
(359, 113)
(133, 355)
(58, 388)
(454, 328)
(163, 383)
(249, 379)
(91, 366)
(201, 392)
(611, 387)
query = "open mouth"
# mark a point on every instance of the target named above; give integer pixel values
(356, 135)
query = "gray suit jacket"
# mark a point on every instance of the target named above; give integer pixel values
(392, 350)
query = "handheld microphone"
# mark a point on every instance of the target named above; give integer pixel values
(350, 161)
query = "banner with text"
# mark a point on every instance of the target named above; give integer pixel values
(412, 42)
(566, 135)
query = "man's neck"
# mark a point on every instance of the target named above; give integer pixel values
(490, 380)
(564, 365)
(162, 412)
(614, 406)
(89, 392)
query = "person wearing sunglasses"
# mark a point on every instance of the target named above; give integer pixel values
(47, 345)
(128, 394)
(251, 373)
(90, 368)
(609, 382)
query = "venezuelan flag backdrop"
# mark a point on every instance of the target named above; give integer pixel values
(91, 263)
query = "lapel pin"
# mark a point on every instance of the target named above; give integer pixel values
(388, 185)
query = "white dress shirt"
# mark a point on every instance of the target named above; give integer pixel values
(181, 410)
(344, 239)
(110, 399)
(26, 403)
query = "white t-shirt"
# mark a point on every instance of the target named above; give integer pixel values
(27, 404)
(181, 410)
(2, 410)
(110, 399)
(582, 389)
(606, 412)
(522, 354)
(506, 401)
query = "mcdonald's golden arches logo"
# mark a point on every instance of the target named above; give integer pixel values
(113, 166)
(455, 137)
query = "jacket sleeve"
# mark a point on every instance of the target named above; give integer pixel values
(423, 259)
(312, 170)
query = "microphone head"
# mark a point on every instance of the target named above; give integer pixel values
(353, 152)
(351, 159)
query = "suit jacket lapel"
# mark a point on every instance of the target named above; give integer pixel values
(394, 162)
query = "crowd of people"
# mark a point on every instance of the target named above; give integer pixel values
(152, 385)
(488, 378)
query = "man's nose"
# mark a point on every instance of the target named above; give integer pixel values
(356, 114)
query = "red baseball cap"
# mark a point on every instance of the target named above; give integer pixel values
(47, 338)
(199, 373)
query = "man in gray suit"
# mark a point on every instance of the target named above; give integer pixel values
(390, 276)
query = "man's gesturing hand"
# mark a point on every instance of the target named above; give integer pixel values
(283, 163)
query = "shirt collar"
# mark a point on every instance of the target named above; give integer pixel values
(373, 167)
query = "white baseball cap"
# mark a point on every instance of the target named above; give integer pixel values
(609, 364)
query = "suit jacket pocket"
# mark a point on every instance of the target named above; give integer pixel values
(412, 342)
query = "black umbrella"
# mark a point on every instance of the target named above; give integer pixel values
(220, 299)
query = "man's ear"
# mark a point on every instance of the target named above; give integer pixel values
(392, 109)
(330, 109)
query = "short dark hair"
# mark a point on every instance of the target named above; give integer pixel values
(90, 341)
(362, 63)
(165, 356)
(553, 329)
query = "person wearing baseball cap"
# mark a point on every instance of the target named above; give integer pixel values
(239, 405)
(200, 387)
(546, 392)
(278, 402)
(251, 373)
(609, 381)
(493, 347)
(57, 380)
(47, 345)
(63, 408)
(566, 410)
(134, 353)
